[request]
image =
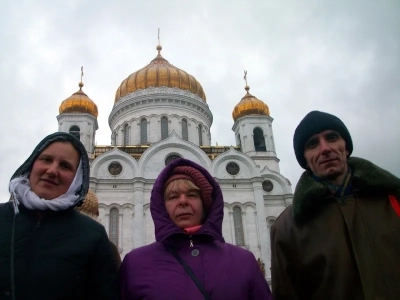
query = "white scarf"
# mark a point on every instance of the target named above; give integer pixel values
(21, 190)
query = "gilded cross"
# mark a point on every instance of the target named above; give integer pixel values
(245, 76)
(81, 73)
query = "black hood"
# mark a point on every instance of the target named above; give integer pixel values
(26, 167)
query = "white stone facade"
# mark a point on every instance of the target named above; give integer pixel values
(254, 196)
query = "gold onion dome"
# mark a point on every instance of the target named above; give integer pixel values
(79, 102)
(249, 105)
(90, 204)
(159, 72)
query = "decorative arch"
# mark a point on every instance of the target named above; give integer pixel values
(173, 141)
(234, 155)
(108, 156)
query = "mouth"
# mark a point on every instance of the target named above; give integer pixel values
(184, 215)
(327, 161)
(48, 181)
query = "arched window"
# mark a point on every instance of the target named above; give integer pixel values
(238, 223)
(200, 135)
(114, 226)
(126, 135)
(259, 141)
(164, 128)
(75, 131)
(143, 131)
(185, 135)
(114, 138)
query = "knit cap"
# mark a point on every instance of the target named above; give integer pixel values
(195, 176)
(315, 122)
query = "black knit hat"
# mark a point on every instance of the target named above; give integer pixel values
(315, 122)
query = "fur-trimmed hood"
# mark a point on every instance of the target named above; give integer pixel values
(26, 167)
(310, 194)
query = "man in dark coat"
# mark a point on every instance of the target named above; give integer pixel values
(340, 239)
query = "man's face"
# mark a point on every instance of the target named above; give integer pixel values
(326, 156)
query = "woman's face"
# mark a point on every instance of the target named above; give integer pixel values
(183, 203)
(54, 170)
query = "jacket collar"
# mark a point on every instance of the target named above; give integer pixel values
(310, 194)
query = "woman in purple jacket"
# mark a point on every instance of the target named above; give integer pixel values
(190, 259)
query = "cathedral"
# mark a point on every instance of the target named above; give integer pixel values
(160, 113)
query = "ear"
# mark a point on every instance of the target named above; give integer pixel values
(347, 153)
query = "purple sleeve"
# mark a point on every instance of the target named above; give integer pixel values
(124, 279)
(259, 289)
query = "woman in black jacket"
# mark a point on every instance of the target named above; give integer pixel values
(48, 250)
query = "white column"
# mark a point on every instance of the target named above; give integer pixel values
(232, 227)
(245, 234)
(107, 225)
(120, 228)
(137, 226)
(265, 247)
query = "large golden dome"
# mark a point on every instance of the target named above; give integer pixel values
(249, 105)
(159, 72)
(79, 102)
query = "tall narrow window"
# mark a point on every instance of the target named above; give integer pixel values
(126, 135)
(75, 131)
(143, 131)
(200, 135)
(114, 226)
(185, 135)
(238, 223)
(114, 138)
(164, 128)
(259, 141)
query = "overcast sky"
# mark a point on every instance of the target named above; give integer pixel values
(340, 57)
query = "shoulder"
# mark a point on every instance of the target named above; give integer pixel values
(143, 252)
(284, 219)
(237, 252)
(5, 207)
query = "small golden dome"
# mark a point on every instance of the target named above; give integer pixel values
(249, 105)
(159, 72)
(79, 102)
(90, 205)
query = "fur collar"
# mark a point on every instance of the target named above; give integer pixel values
(310, 194)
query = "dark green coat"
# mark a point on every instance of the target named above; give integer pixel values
(58, 255)
(340, 249)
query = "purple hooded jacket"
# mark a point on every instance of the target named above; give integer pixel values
(226, 271)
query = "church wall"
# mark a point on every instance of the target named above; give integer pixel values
(252, 232)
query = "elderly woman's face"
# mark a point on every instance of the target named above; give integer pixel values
(54, 170)
(183, 203)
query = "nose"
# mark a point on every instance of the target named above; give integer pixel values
(52, 170)
(182, 199)
(324, 146)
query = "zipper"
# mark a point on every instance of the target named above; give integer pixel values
(39, 219)
(190, 242)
